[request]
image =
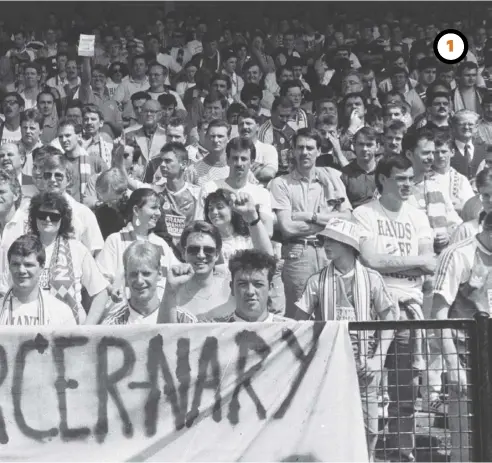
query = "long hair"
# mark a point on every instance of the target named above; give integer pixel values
(239, 226)
(56, 202)
(138, 198)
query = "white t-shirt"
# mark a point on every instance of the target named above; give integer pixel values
(266, 154)
(136, 318)
(395, 234)
(260, 195)
(9, 136)
(234, 244)
(55, 312)
(110, 259)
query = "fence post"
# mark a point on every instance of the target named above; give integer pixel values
(481, 390)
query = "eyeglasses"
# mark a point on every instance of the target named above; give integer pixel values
(57, 176)
(149, 111)
(115, 70)
(53, 216)
(10, 102)
(209, 251)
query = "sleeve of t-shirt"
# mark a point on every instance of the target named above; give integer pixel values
(280, 195)
(422, 225)
(107, 259)
(90, 194)
(92, 236)
(120, 94)
(265, 203)
(362, 214)
(271, 157)
(92, 278)
(309, 300)
(450, 274)
(205, 190)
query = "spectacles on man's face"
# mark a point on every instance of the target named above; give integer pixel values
(53, 216)
(209, 251)
(10, 102)
(59, 177)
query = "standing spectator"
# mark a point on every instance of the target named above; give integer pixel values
(12, 105)
(278, 133)
(397, 238)
(31, 121)
(467, 95)
(485, 124)
(359, 175)
(450, 180)
(293, 91)
(438, 109)
(468, 151)
(327, 297)
(427, 68)
(393, 138)
(157, 78)
(301, 214)
(92, 141)
(229, 64)
(399, 78)
(49, 117)
(12, 160)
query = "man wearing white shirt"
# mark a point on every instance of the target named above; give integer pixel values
(468, 154)
(229, 64)
(11, 160)
(138, 81)
(266, 162)
(241, 154)
(157, 78)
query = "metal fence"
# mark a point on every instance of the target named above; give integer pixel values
(414, 410)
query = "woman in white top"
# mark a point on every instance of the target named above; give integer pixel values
(197, 287)
(142, 213)
(69, 265)
(237, 219)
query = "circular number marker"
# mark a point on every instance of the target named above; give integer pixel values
(450, 46)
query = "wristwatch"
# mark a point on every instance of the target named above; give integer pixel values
(254, 222)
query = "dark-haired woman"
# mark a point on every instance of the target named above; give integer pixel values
(69, 264)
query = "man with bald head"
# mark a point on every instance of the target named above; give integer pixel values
(151, 137)
(12, 160)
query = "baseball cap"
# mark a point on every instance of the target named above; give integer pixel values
(343, 231)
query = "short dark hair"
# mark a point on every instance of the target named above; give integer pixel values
(286, 86)
(219, 123)
(178, 149)
(240, 144)
(167, 99)
(282, 101)
(20, 100)
(307, 133)
(249, 260)
(138, 198)
(396, 126)
(412, 138)
(367, 132)
(484, 177)
(45, 91)
(140, 96)
(221, 76)
(251, 90)
(466, 65)
(46, 150)
(386, 165)
(200, 226)
(67, 122)
(213, 97)
(92, 109)
(26, 245)
(248, 113)
(54, 201)
(444, 137)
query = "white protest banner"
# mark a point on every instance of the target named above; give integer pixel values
(86, 45)
(205, 392)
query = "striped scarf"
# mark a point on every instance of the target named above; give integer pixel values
(84, 171)
(455, 183)
(332, 295)
(62, 277)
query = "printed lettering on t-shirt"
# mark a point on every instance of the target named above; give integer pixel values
(402, 232)
(25, 320)
(346, 313)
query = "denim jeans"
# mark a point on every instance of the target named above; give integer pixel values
(300, 262)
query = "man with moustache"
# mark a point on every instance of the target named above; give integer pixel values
(302, 203)
(12, 161)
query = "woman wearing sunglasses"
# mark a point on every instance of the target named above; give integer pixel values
(197, 288)
(118, 72)
(69, 265)
(142, 213)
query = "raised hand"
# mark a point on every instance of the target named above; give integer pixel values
(180, 274)
(244, 205)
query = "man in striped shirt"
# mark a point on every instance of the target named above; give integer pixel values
(460, 291)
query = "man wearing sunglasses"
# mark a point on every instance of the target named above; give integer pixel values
(12, 105)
